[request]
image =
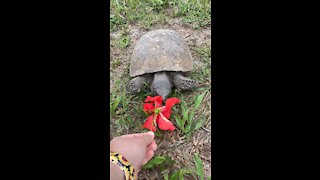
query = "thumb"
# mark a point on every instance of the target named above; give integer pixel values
(148, 137)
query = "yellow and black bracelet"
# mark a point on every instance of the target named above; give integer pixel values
(123, 164)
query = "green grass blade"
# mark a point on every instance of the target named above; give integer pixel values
(158, 133)
(198, 125)
(130, 121)
(124, 99)
(185, 115)
(183, 106)
(198, 100)
(157, 161)
(188, 128)
(166, 177)
(115, 103)
(190, 119)
(179, 174)
(175, 175)
(141, 112)
(199, 166)
(179, 122)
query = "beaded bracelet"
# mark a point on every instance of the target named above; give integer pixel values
(123, 164)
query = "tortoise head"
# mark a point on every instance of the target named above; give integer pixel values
(161, 85)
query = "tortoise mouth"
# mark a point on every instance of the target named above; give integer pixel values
(164, 97)
(163, 92)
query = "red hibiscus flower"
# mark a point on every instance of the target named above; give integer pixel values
(159, 114)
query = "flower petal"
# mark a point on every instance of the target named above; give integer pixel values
(170, 102)
(149, 124)
(164, 123)
(148, 107)
(157, 100)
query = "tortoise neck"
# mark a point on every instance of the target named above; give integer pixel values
(161, 76)
(161, 84)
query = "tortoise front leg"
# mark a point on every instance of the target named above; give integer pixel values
(134, 85)
(183, 83)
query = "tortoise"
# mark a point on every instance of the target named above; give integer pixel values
(163, 59)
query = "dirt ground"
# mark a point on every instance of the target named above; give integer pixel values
(175, 145)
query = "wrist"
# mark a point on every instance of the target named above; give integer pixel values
(115, 172)
(127, 154)
(123, 165)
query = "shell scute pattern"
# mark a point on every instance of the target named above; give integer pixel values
(160, 50)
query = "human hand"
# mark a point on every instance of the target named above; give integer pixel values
(138, 149)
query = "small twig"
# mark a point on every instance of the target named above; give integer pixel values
(205, 129)
(121, 16)
(188, 36)
(204, 84)
(205, 158)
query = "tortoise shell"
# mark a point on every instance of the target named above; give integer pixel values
(160, 50)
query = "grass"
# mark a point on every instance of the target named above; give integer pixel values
(186, 121)
(162, 163)
(122, 42)
(129, 116)
(115, 63)
(147, 13)
(123, 107)
(193, 113)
